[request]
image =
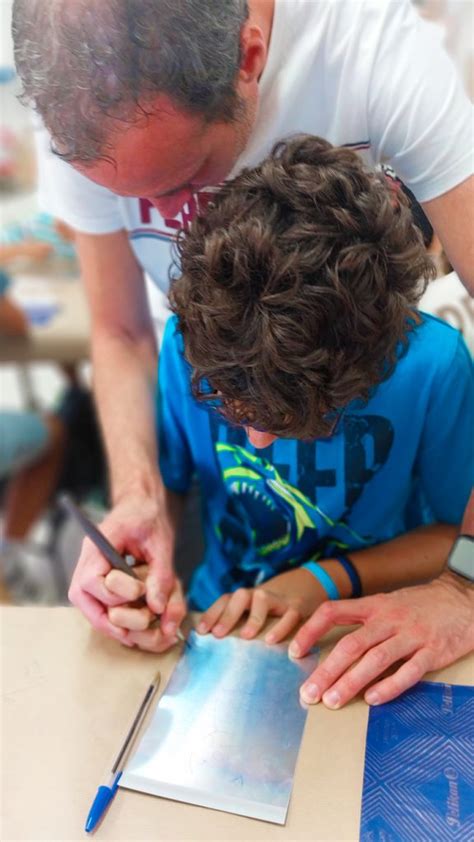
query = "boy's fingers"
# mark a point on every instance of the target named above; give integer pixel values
(134, 619)
(152, 640)
(97, 615)
(141, 571)
(97, 588)
(127, 588)
(238, 603)
(161, 579)
(212, 614)
(159, 585)
(175, 611)
(283, 627)
(262, 604)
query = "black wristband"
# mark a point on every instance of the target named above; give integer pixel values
(351, 571)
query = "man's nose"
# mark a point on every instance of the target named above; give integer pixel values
(170, 206)
(259, 439)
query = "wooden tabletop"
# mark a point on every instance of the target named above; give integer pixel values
(68, 696)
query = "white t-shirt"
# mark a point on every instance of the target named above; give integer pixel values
(368, 74)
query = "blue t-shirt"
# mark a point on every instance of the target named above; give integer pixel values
(403, 459)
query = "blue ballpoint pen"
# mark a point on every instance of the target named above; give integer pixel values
(106, 792)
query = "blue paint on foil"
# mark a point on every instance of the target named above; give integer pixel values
(419, 767)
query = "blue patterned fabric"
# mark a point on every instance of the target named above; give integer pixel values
(419, 767)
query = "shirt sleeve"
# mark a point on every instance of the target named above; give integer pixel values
(176, 462)
(66, 194)
(419, 116)
(446, 456)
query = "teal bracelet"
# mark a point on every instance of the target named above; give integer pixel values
(324, 579)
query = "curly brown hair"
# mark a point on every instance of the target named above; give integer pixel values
(297, 288)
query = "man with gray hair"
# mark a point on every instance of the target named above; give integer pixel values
(150, 105)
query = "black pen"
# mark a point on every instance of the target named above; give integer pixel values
(103, 544)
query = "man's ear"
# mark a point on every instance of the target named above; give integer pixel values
(254, 55)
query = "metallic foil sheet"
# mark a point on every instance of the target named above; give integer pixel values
(227, 730)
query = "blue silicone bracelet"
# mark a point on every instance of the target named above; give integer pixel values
(352, 573)
(323, 578)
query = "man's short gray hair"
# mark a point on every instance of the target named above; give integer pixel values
(81, 61)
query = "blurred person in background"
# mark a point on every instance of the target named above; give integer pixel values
(149, 106)
(32, 446)
(40, 451)
(42, 240)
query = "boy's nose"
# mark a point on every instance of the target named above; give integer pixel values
(259, 439)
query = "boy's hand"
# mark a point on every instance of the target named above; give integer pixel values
(134, 615)
(137, 526)
(291, 596)
(428, 627)
(260, 604)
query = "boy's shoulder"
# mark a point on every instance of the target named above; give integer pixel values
(434, 344)
(172, 364)
(435, 360)
(432, 326)
(172, 341)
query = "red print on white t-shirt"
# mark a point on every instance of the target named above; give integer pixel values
(196, 204)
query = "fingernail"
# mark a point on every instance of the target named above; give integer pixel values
(170, 629)
(201, 628)
(294, 650)
(218, 629)
(372, 697)
(332, 699)
(310, 693)
(270, 638)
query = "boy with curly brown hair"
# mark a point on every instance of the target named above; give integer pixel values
(328, 421)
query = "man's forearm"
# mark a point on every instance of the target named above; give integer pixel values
(124, 385)
(452, 217)
(414, 557)
(124, 360)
